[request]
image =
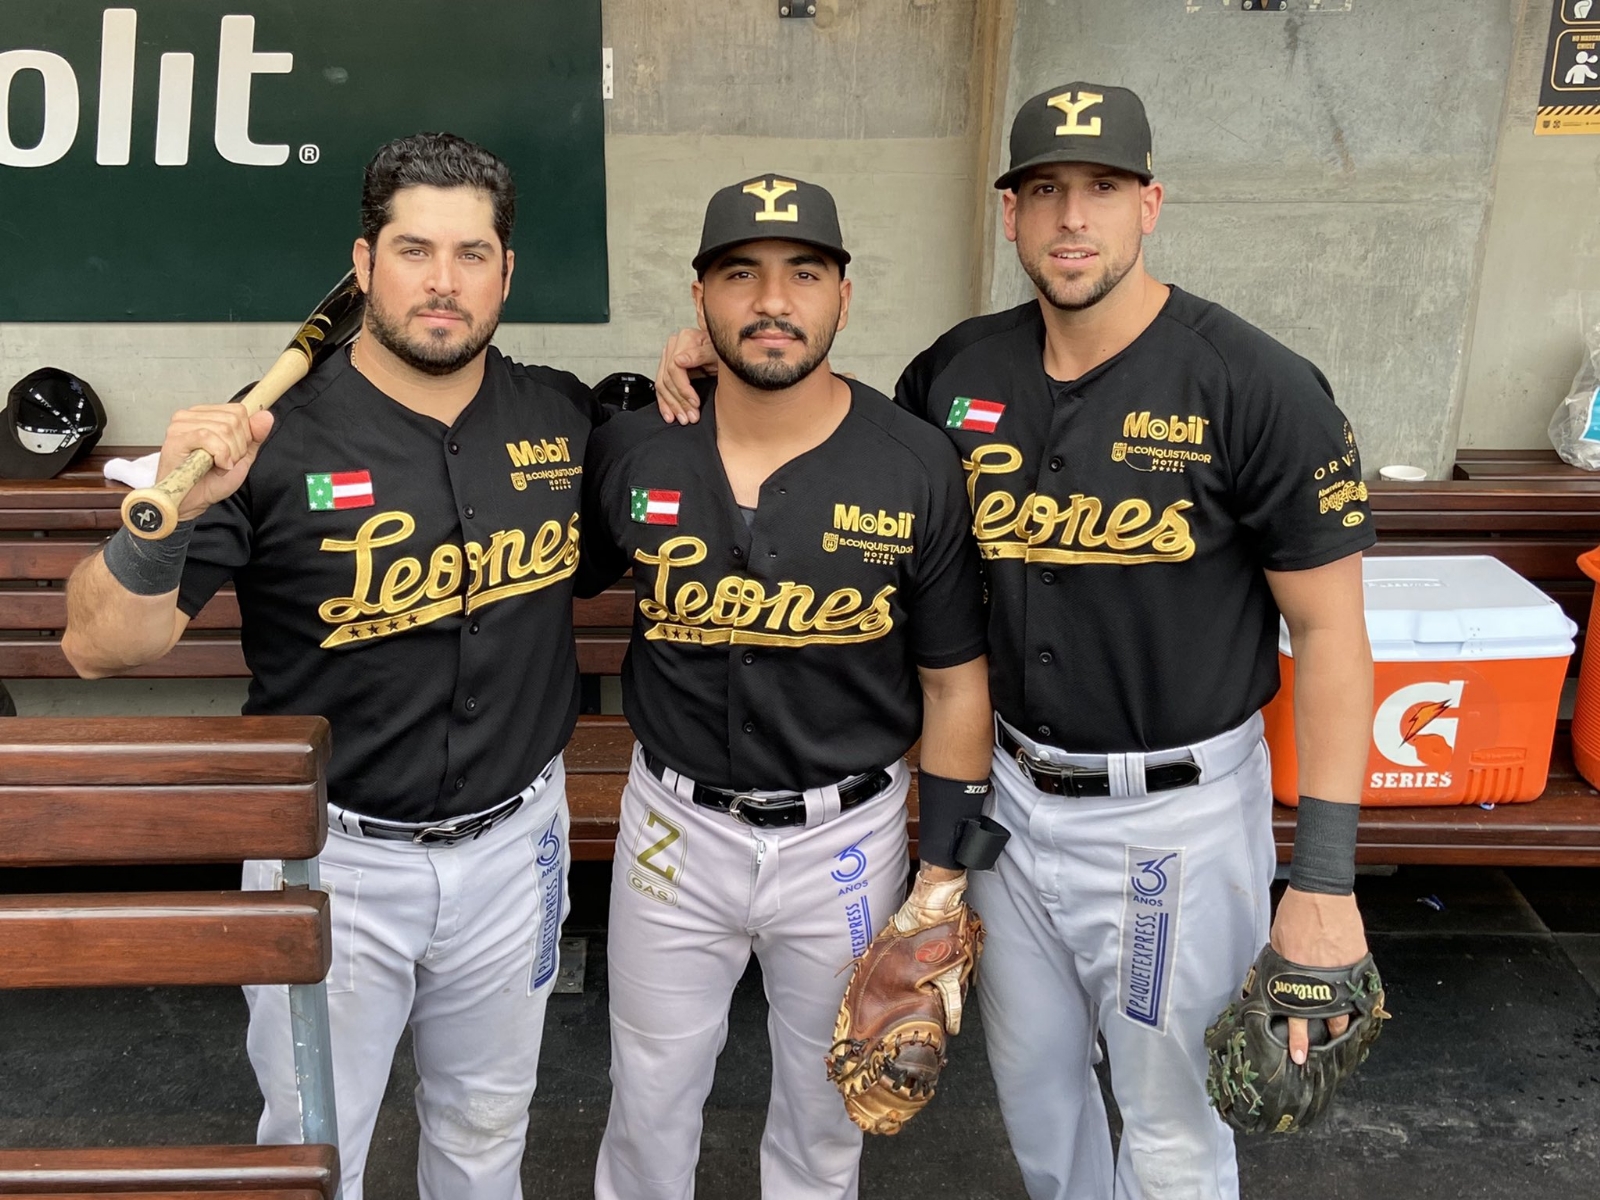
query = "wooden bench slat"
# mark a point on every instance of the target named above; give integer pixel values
(157, 939)
(1562, 828)
(103, 521)
(239, 1172)
(1520, 470)
(64, 826)
(222, 658)
(59, 493)
(1479, 522)
(1491, 454)
(118, 751)
(43, 558)
(201, 1194)
(46, 608)
(1510, 495)
(191, 658)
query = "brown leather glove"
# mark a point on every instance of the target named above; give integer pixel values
(904, 996)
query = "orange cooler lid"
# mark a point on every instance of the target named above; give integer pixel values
(1446, 607)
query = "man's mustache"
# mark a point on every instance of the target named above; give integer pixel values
(759, 327)
(443, 305)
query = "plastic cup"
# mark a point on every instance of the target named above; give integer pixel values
(1400, 473)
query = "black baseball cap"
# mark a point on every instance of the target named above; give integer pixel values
(771, 206)
(1080, 122)
(52, 419)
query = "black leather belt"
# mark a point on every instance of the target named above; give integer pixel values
(442, 833)
(1086, 781)
(774, 812)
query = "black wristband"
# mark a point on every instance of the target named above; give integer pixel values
(979, 842)
(944, 806)
(149, 568)
(1324, 847)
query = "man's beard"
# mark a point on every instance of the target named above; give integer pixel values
(767, 374)
(1053, 289)
(432, 354)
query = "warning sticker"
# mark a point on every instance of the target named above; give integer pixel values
(1569, 92)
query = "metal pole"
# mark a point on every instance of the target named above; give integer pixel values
(308, 1023)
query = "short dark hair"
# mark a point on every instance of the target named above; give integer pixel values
(440, 160)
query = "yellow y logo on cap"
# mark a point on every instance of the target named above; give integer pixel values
(1089, 128)
(770, 196)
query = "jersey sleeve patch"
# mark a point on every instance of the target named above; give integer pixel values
(969, 412)
(654, 506)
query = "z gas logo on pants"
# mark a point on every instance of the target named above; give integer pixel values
(1416, 727)
(660, 852)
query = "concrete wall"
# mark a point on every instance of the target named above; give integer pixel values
(1541, 257)
(1328, 177)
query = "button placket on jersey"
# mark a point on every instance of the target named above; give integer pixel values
(1045, 669)
(742, 557)
(465, 699)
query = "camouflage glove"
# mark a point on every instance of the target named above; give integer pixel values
(904, 996)
(1253, 1083)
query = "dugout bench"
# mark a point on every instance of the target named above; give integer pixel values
(121, 791)
(1532, 512)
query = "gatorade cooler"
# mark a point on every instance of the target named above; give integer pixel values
(1469, 661)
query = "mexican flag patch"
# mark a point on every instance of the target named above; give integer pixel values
(339, 489)
(979, 415)
(653, 506)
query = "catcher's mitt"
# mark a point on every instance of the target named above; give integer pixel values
(905, 994)
(1254, 1084)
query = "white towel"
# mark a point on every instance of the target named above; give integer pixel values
(135, 472)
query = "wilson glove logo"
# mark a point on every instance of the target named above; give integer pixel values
(238, 63)
(1299, 991)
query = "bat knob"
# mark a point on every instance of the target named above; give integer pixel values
(147, 517)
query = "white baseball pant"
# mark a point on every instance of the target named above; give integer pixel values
(693, 892)
(1134, 916)
(460, 942)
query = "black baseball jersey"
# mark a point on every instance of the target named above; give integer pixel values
(411, 582)
(1125, 518)
(783, 654)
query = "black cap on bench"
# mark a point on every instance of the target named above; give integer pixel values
(52, 419)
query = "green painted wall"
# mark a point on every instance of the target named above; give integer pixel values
(194, 160)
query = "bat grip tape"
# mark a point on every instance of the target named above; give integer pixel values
(1325, 847)
(149, 568)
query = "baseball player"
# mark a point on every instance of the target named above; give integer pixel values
(807, 601)
(401, 530)
(1152, 481)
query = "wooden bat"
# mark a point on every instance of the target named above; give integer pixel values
(152, 513)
